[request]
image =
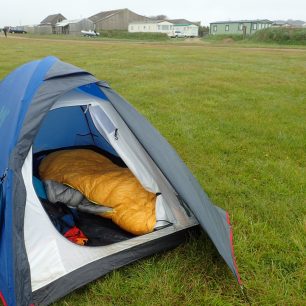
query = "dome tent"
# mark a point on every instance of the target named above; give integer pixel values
(48, 105)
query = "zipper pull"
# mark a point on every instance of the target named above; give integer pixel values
(116, 134)
(87, 108)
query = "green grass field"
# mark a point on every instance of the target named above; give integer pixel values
(237, 117)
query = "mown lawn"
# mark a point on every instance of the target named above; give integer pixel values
(237, 118)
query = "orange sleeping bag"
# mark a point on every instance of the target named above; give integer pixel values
(104, 183)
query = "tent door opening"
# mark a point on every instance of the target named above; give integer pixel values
(76, 121)
(96, 125)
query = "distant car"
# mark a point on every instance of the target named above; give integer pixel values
(177, 34)
(17, 31)
(90, 33)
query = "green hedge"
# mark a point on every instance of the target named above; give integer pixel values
(281, 36)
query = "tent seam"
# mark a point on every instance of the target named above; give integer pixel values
(232, 248)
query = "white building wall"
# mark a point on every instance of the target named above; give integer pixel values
(142, 27)
(187, 30)
(146, 27)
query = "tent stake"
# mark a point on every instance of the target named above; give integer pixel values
(245, 295)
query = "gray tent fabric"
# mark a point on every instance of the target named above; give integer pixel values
(213, 219)
(60, 69)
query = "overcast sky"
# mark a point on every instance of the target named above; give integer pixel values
(22, 12)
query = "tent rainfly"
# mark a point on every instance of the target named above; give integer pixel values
(49, 105)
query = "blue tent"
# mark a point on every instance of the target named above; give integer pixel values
(50, 105)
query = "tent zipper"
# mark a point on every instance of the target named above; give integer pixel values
(183, 204)
(2, 178)
(2, 201)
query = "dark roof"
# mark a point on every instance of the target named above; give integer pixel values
(103, 15)
(243, 21)
(148, 21)
(182, 21)
(52, 19)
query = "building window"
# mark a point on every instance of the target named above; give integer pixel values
(132, 28)
(165, 27)
(215, 28)
(227, 28)
(158, 27)
(240, 27)
(144, 27)
(254, 26)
